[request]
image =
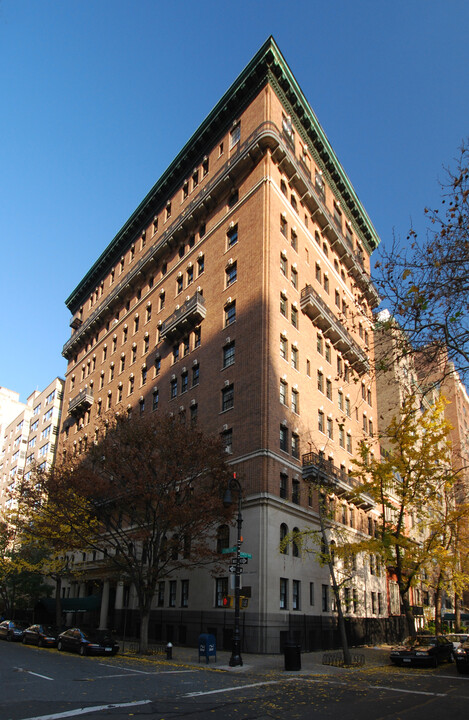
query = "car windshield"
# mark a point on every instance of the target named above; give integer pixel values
(420, 640)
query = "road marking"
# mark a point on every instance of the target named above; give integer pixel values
(118, 667)
(133, 671)
(30, 672)
(86, 710)
(410, 692)
(230, 689)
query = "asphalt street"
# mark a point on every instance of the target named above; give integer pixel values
(39, 684)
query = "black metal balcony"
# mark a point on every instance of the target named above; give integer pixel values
(185, 317)
(319, 313)
(323, 472)
(81, 402)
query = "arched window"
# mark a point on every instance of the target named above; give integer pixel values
(283, 534)
(223, 538)
(295, 546)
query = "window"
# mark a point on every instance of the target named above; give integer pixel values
(295, 486)
(294, 240)
(162, 299)
(283, 486)
(283, 305)
(232, 236)
(175, 352)
(320, 381)
(326, 282)
(184, 593)
(283, 186)
(233, 199)
(294, 316)
(172, 593)
(329, 389)
(283, 347)
(283, 392)
(205, 166)
(330, 428)
(155, 400)
(168, 211)
(235, 135)
(179, 285)
(294, 278)
(227, 398)
(349, 443)
(296, 595)
(46, 432)
(231, 274)
(283, 226)
(223, 538)
(221, 589)
(173, 388)
(347, 406)
(195, 179)
(320, 421)
(327, 353)
(283, 594)
(184, 382)
(190, 275)
(131, 384)
(157, 366)
(319, 344)
(283, 438)
(294, 357)
(341, 436)
(295, 401)
(230, 313)
(340, 399)
(295, 446)
(122, 364)
(200, 265)
(227, 440)
(294, 203)
(124, 335)
(325, 598)
(185, 190)
(283, 265)
(194, 413)
(195, 375)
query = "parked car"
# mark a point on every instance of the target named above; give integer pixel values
(42, 635)
(423, 650)
(88, 642)
(462, 657)
(457, 639)
(10, 630)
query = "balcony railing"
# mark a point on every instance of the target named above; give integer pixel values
(81, 402)
(184, 317)
(323, 472)
(316, 309)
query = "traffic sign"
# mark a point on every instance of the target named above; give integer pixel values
(243, 560)
(225, 551)
(245, 555)
(232, 569)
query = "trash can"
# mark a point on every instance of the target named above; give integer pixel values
(292, 654)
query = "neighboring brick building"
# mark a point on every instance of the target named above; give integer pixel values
(31, 438)
(238, 295)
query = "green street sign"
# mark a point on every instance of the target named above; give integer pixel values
(245, 555)
(228, 550)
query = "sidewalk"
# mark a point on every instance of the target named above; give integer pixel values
(311, 663)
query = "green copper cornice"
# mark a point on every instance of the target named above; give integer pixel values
(267, 66)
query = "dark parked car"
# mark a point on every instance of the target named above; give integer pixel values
(42, 635)
(461, 655)
(88, 642)
(423, 650)
(10, 630)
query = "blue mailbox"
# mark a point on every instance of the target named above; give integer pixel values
(207, 647)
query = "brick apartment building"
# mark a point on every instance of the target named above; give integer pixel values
(238, 296)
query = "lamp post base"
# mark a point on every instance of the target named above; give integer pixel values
(235, 660)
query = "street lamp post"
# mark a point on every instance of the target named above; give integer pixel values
(234, 485)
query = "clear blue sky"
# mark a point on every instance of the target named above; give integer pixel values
(99, 95)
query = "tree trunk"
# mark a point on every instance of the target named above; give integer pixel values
(408, 614)
(438, 610)
(457, 612)
(144, 624)
(58, 601)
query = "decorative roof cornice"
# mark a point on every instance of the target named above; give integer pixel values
(267, 66)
